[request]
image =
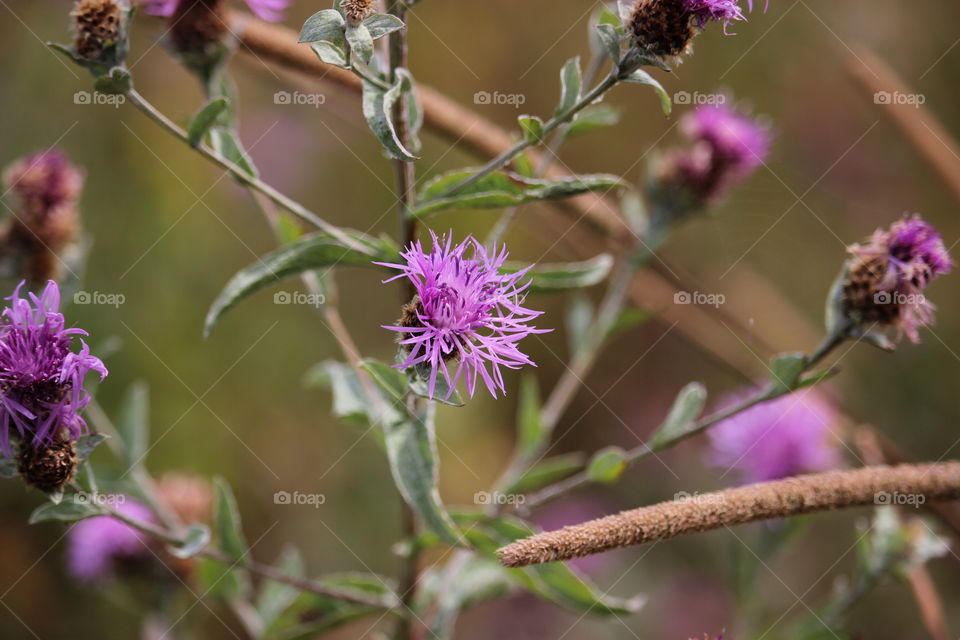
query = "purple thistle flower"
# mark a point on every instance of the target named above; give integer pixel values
(464, 310)
(777, 439)
(887, 276)
(41, 378)
(705, 11)
(270, 10)
(94, 545)
(737, 141)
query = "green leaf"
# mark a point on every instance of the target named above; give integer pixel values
(610, 41)
(8, 468)
(565, 276)
(686, 408)
(547, 472)
(579, 317)
(196, 540)
(640, 76)
(533, 433)
(628, 319)
(133, 424)
(392, 381)
(383, 24)
(460, 585)
(311, 252)
(817, 377)
(227, 143)
(86, 444)
(227, 519)
(331, 54)
(505, 189)
(420, 386)
(411, 450)
(554, 581)
(275, 597)
(70, 509)
(205, 119)
(786, 370)
(532, 128)
(378, 110)
(323, 25)
(361, 42)
(571, 84)
(349, 398)
(593, 118)
(117, 82)
(607, 465)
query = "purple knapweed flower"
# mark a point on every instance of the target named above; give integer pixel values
(465, 311)
(665, 28)
(41, 377)
(95, 545)
(776, 439)
(270, 10)
(705, 11)
(888, 274)
(739, 143)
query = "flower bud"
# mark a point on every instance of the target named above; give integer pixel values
(198, 26)
(100, 32)
(357, 10)
(47, 466)
(665, 28)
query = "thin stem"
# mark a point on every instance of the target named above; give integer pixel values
(241, 174)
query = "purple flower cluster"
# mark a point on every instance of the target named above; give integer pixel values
(889, 272)
(94, 545)
(465, 310)
(705, 11)
(41, 378)
(270, 10)
(777, 439)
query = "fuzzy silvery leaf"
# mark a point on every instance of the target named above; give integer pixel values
(230, 538)
(609, 39)
(593, 118)
(331, 54)
(350, 402)
(70, 509)
(311, 252)
(326, 25)
(565, 276)
(786, 370)
(133, 424)
(639, 76)
(607, 465)
(547, 472)
(194, 541)
(117, 82)
(603, 15)
(532, 432)
(275, 597)
(579, 316)
(360, 41)
(462, 583)
(442, 393)
(383, 24)
(378, 110)
(201, 123)
(86, 445)
(686, 409)
(532, 128)
(227, 143)
(505, 189)
(571, 86)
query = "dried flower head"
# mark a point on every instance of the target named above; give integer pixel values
(46, 219)
(47, 466)
(665, 28)
(188, 496)
(465, 311)
(98, 28)
(357, 10)
(41, 377)
(726, 148)
(777, 439)
(887, 275)
(271, 10)
(97, 546)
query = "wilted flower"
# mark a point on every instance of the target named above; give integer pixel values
(190, 497)
(100, 30)
(46, 219)
(665, 28)
(465, 311)
(41, 378)
(97, 546)
(357, 10)
(726, 148)
(272, 10)
(887, 275)
(776, 439)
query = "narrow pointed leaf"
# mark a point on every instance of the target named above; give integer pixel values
(686, 408)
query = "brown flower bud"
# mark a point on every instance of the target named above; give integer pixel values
(662, 27)
(97, 28)
(357, 10)
(198, 26)
(47, 467)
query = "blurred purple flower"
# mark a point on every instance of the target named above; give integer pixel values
(890, 271)
(464, 310)
(777, 439)
(271, 10)
(41, 378)
(738, 143)
(95, 544)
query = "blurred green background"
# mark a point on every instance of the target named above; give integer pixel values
(169, 230)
